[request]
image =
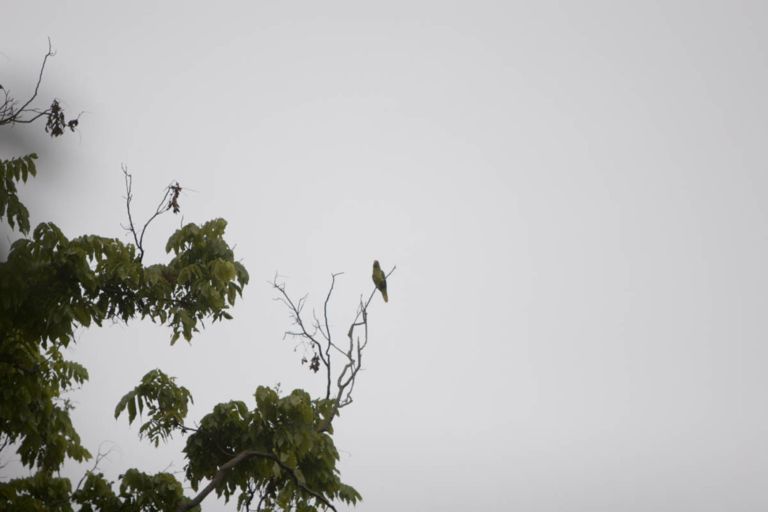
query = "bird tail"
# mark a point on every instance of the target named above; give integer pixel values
(384, 294)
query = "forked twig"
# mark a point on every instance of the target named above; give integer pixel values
(169, 201)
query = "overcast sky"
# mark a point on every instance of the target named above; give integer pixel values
(574, 194)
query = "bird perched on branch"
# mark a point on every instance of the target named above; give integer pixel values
(380, 280)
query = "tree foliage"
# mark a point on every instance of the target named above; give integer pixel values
(276, 453)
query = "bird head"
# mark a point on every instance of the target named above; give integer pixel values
(376, 264)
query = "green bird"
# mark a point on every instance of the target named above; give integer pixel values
(380, 280)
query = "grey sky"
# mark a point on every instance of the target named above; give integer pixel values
(573, 193)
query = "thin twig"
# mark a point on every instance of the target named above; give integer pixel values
(328, 335)
(353, 353)
(295, 311)
(128, 198)
(99, 457)
(14, 116)
(166, 203)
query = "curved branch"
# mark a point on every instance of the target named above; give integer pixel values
(50, 53)
(237, 459)
(14, 116)
(99, 457)
(128, 198)
(169, 201)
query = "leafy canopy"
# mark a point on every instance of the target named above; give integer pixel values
(279, 449)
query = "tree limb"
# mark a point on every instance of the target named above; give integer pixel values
(352, 353)
(56, 122)
(169, 201)
(99, 457)
(237, 459)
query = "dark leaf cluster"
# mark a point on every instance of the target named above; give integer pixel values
(14, 171)
(51, 285)
(55, 122)
(166, 405)
(287, 458)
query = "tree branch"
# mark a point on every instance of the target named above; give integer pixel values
(328, 335)
(352, 353)
(169, 201)
(13, 117)
(128, 199)
(99, 457)
(295, 309)
(56, 122)
(237, 459)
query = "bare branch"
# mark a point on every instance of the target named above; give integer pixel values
(99, 457)
(6, 440)
(128, 199)
(351, 351)
(161, 208)
(13, 117)
(169, 201)
(295, 309)
(328, 335)
(56, 122)
(50, 53)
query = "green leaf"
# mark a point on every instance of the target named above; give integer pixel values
(224, 271)
(131, 409)
(81, 315)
